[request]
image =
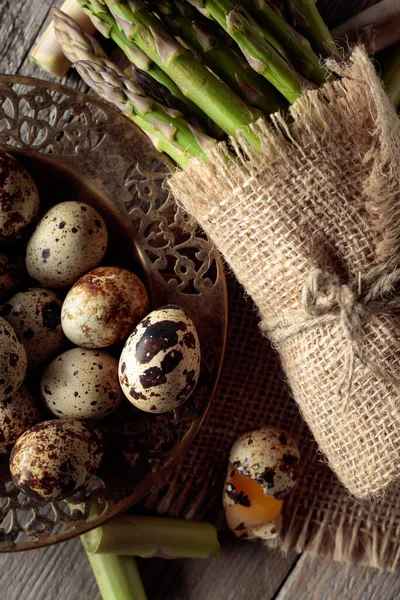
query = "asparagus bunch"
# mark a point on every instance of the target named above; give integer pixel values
(263, 19)
(104, 22)
(145, 29)
(265, 64)
(226, 62)
(167, 128)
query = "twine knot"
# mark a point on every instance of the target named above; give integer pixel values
(326, 299)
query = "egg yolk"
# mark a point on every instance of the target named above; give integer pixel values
(251, 506)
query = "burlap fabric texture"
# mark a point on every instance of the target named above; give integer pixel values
(311, 228)
(320, 517)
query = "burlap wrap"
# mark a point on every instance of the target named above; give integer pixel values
(311, 228)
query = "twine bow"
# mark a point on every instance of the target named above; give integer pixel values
(325, 300)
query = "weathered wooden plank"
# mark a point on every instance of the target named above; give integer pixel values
(62, 572)
(319, 579)
(245, 570)
(19, 26)
(59, 572)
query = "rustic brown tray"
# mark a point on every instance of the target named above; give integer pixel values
(76, 147)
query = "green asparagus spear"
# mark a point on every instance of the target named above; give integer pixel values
(314, 27)
(76, 43)
(167, 126)
(183, 21)
(261, 56)
(105, 23)
(84, 51)
(195, 81)
(298, 48)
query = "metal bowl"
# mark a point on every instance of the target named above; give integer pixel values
(76, 147)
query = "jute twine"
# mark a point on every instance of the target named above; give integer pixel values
(325, 300)
(311, 229)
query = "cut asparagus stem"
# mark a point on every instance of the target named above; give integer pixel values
(166, 124)
(195, 81)
(183, 21)
(298, 47)
(48, 54)
(391, 75)
(118, 577)
(261, 56)
(105, 23)
(314, 27)
(153, 536)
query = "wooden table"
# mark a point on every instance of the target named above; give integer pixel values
(243, 569)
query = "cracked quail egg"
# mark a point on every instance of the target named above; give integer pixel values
(81, 384)
(103, 307)
(19, 199)
(270, 457)
(55, 458)
(35, 315)
(70, 239)
(160, 363)
(11, 273)
(249, 512)
(17, 414)
(12, 361)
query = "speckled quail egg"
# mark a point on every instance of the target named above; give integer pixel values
(103, 307)
(69, 240)
(35, 315)
(160, 363)
(55, 458)
(17, 414)
(12, 361)
(249, 512)
(270, 457)
(19, 199)
(11, 273)
(81, 384)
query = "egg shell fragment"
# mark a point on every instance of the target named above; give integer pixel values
(13, 361)
(17, 414)
(103, 307)
(267, 531)
(19, 199)
(12, 270)
(69, 240)
(55, 458)
(81, 384)
(160, 363)
(35, 315)
(270, 457)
